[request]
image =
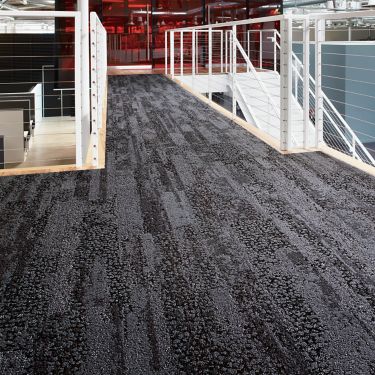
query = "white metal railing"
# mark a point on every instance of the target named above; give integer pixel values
(39, 62)
(336, 131)
(98, 50)
(45, 90)
(253, 70)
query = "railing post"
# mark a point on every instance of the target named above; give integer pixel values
(193, 53)
(166, 51)
(231, 51)
(285, 84)
(226, 51)
(261, 49)
(295, 76)
(94, 90)
(274, 51)
(181, 53)
(319, 38)
(306, 82)
(197, 51)
(77, 88)
(83, 7)
(209, 62)
(172, 53)
(192, 58)
(221, 52)
(248, 43)
(234, 69)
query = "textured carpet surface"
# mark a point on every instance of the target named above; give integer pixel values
(198, 250)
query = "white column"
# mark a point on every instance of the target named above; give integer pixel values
(83, 7)
(286, 84)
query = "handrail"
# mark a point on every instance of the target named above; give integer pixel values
(336, 112)
(253, 70)
(300, 17)
(248, 21)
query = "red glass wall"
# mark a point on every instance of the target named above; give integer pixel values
(136, 28)
(128, 24)
(172, 14)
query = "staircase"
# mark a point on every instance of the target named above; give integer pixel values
(259, 94)
(287, 114)
(263, 115)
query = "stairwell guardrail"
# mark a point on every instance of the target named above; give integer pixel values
(250, 66)
(45, 89)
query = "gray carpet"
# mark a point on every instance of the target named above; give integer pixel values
(198, 250)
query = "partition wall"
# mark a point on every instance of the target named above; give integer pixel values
(136, 28)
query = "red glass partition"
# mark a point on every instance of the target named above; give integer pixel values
(136, 28)
(128, 25)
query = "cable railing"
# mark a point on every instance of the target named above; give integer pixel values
(45, 116)
(336, 131)
(253, 69)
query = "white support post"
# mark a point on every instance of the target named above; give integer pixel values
(306, 82)
(226, 51)
(209, 62)
(248, 43)
(94, 90)
(181, 53)
(197, 50)
(83, 7)
(172, 54)
(234, 69)
(261, 49)
(221, 51)
(77, 88)
(286, 84)
(193, 53)
(231, 51)
(166, 51)
(319, 38)
(274, 51)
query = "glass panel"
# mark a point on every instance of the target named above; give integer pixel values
(128, 24)
(136, 29)
(172, 14)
